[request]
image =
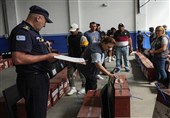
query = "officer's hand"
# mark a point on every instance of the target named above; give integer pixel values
(51, 57)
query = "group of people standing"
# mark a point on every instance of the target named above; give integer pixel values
(98, 45)
(158, 53)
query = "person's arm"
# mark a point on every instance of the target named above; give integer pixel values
(142, 39)
(103, 70)
(164, 45)
(163, 48)
(146, 34)
(24, 58)
(130, 44)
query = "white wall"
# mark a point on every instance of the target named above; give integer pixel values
(158, 13)
(64, 12)
(58, 10)
(2, 28)
(154, 13)
(62, 15)
(116, 12)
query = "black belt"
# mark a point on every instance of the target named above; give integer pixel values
(34, 73)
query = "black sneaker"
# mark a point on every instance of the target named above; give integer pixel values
(127, 69)
(116, 70)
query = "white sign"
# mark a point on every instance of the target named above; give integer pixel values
(71, 59)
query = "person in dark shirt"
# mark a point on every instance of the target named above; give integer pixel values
(32, 61)
(151, 35)
(111, 32)
(102, 33)
(95, 54)
(76, 46)
(140, 40)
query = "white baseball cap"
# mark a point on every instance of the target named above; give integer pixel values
(74, 27)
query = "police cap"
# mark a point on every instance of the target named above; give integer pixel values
(38, 10)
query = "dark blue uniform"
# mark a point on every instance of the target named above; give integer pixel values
(32, 79)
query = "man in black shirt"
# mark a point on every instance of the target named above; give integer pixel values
(31, 58)
(76, 46)
(151, 35)
(140, 41)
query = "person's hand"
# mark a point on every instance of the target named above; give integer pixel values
(113, 76)
(151, 51)
(51, 57)
(168, 57)
(47, 43)
(116, 77)
(130, 49)
(118, 80)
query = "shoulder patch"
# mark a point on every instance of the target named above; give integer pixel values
(26, 27)
(20, 37)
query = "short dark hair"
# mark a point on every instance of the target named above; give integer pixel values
(98, 24)
(151, 29)
(139, 31)
(92, 23)
(107, 40)
(113, 28)
(121, 25)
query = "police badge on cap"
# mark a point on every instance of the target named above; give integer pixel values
(38, 10)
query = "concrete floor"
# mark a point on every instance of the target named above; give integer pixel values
(143, 95)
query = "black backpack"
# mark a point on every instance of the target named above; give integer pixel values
(108, 99)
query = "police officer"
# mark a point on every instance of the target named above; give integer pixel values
(32, 61)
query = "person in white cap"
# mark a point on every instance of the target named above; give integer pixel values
(76, 45)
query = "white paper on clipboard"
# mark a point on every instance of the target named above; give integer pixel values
(71, 59)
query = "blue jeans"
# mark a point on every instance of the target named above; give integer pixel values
(160, 68)
(122, 51)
